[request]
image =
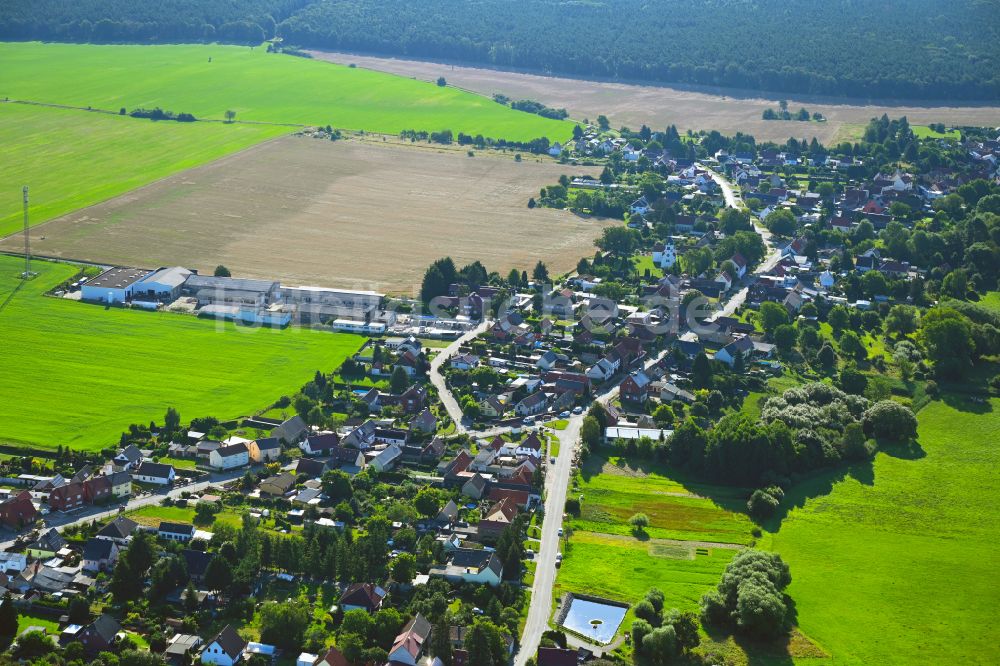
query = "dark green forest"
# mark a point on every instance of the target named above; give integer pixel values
(917, 49)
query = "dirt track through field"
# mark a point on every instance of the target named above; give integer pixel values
(634, 105)
(352, 214)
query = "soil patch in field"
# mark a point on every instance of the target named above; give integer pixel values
(351, 214)
(728, 111)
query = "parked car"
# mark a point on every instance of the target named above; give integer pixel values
(564, 415)
(560, 531)
(578, 410)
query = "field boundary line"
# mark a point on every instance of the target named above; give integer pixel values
(110, 112)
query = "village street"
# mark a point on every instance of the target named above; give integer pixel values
(770, 261)
(437, 379)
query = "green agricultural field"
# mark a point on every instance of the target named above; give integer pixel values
(209, 80)
(77, 375)
(897, 564)
(72, 159)
(625, 568)
(676, 510)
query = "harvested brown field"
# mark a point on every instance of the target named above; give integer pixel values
(351, 214)
(728, 111)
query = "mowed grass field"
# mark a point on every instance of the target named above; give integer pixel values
(355, 214)
(71, 159)
(901, 566)
(676, 510)
(683, 552)
(209, 80)
(77, 375)
(624, 569)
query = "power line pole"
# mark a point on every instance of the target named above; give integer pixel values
(27, 240)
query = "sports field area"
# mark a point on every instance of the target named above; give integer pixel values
(71, 159)
(259, 86)
(357, 214)
(77, 375)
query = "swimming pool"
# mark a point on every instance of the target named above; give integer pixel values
(594, 619)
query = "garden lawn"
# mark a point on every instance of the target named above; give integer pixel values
(676, 510)
(152, 515)
(991, 300)
(72, 159)
(624, 569)
(901, 566)
(77, 375)
(24, 621)
(208, 80)
(925, 132)
(179, 463)
(643, 263)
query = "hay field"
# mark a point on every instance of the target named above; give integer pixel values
(71, 159)
(728, 111)
(77, 375)
(349, 214)
(208, 80)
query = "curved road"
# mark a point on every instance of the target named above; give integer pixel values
(437, 379)
(770, 261)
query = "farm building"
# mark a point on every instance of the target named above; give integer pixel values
(164, 284)
(210, 290)
(115, 285)
(335, 303)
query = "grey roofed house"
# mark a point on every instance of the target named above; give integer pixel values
(95, 549)
(475, 487)
(232, 450)
(269, 444)
(229, 642)
(119, 529)
(175, 528)
(197, 562)
(157, 470)
(51, 580)
(473, 558)
(311, 467)
(448, 513)
(105, 627)
(128, 456)
(50, 540)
